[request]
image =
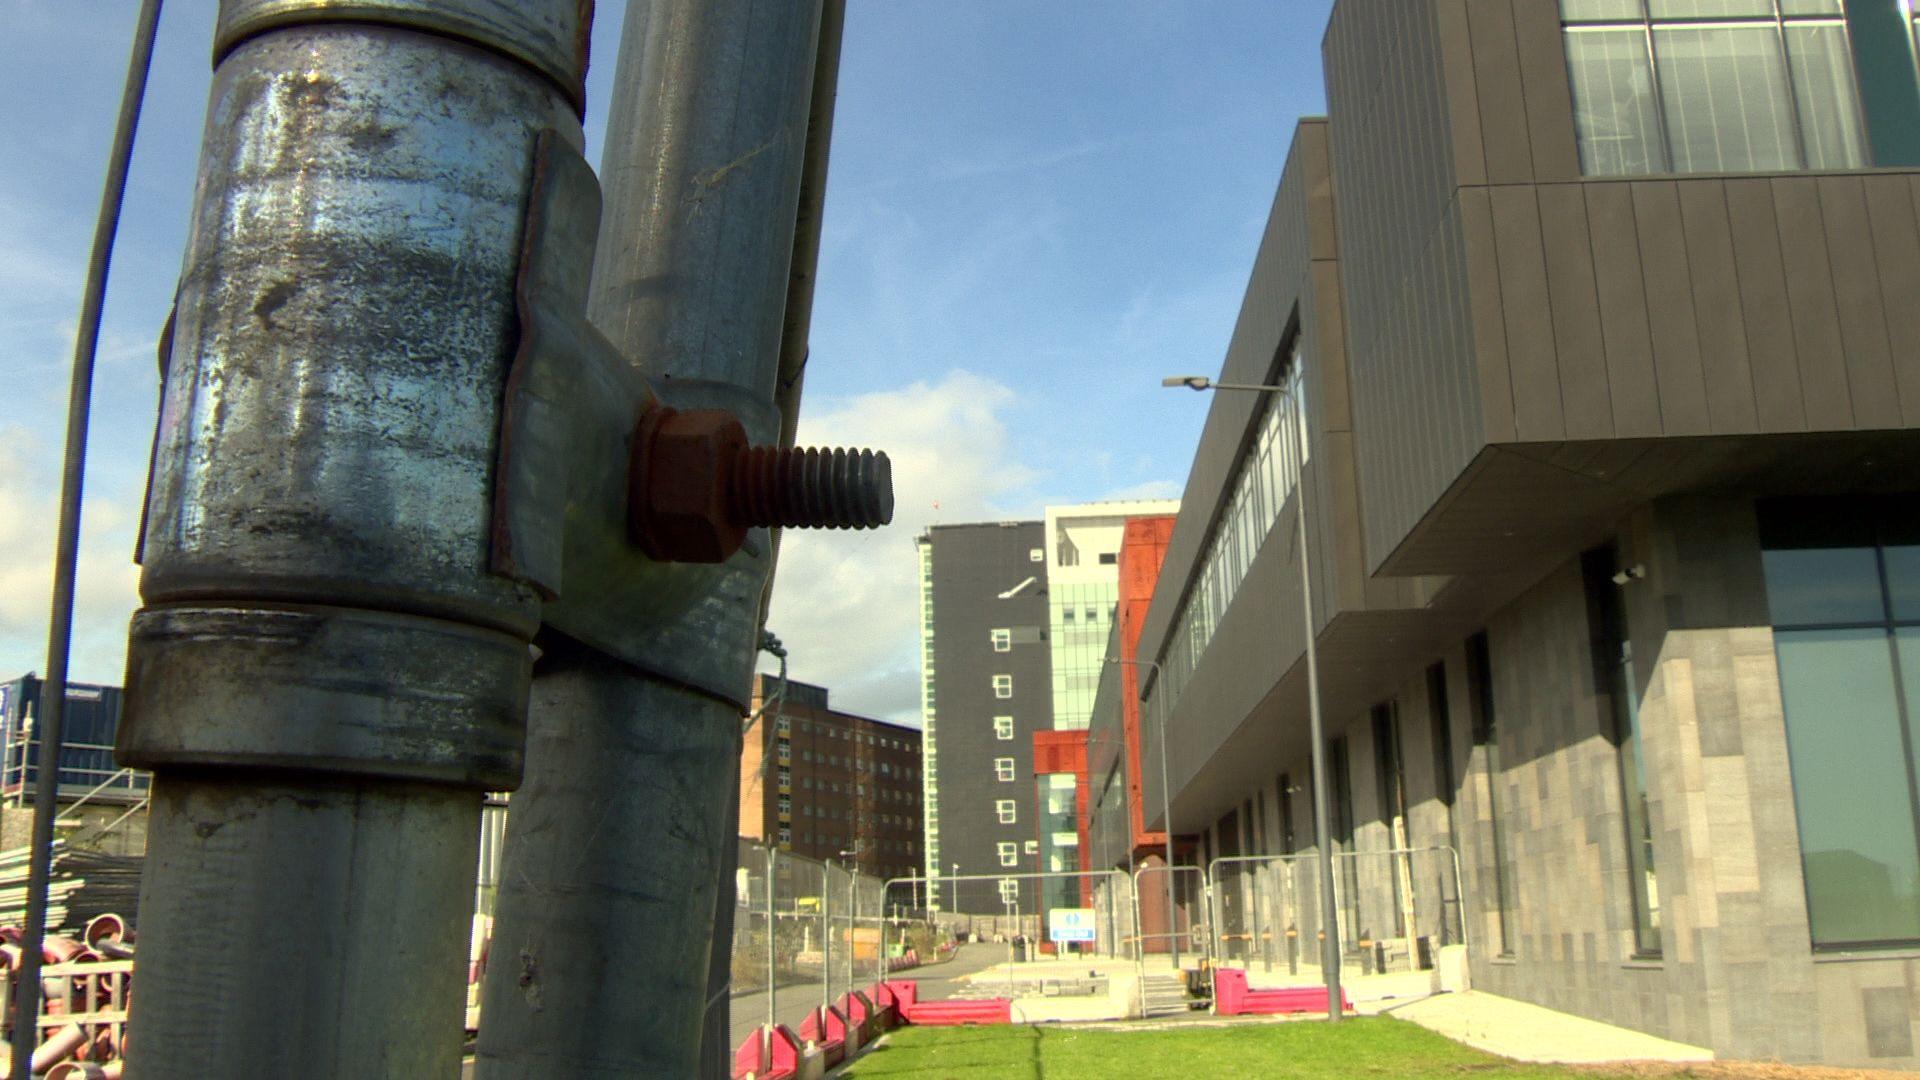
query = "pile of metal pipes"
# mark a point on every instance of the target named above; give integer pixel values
(81, 886)
(84, 986)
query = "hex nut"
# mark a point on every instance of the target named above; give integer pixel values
(677, 508)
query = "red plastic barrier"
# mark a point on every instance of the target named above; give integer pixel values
(858, 1007)
(905, 992)
(749, 1058)
(1232, 997)
(746, 1056)
(947, 1013)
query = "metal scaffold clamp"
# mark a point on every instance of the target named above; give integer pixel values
(606, 479)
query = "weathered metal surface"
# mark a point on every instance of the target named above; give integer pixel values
(250, 965)
(700, 176)
(343, 326)
(323, 628)
(353, 691)
(550, 36)
(677, 506)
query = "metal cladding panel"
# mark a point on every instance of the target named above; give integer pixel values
(1417, 410)
(972, 566)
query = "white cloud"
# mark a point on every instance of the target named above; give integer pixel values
(847, 604)
(105, 593)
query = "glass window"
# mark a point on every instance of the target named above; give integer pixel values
(1002, 639)
(1003, 686)
(1821, 564)
(1823, 90)
(1009, 853)
(1005, 809)
(1614, 112)
(1003, 768)
(1003, 728)
(1712, 86)
(1725, 96)
(1851, 691)
(1850, 785)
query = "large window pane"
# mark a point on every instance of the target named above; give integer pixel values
(1850, 786)
(1823, 585)
(1583, 10)
(1900, 550)
(1725, 96)
(1823, 89)
(1820, 562)
(1613, 106)
(1710, 9)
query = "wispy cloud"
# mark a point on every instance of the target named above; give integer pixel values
(106, 589)
(847, 604)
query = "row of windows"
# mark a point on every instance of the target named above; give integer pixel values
(885, 794)
(829, 731)
(901, 821)
(840, 761)
(1267, 477)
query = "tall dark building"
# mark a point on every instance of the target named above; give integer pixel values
(986, 687)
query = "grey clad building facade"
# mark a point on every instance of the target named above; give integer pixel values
(1605, 317)
(986, 687)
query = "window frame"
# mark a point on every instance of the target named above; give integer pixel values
(1001, 637)
(1005, 770)
(1007, 810)
(1003, 728)
(1003, 687)
(1779, 20)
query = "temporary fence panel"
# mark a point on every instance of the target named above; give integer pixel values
(1396, 907)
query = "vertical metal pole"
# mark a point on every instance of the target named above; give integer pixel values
(1330, 951)
(326, 676)
(638, 761)
(1166, 808)
(853, 911)
(66, 555)
(773, 983)
(826, 936)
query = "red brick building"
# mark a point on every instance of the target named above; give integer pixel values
(819, 782)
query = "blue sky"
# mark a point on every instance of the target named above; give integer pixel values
(1034, 211)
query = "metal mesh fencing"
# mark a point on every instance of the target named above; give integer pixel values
(804, 933)
(1396, 909)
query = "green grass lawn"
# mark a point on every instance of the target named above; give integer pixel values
(1362, 1047)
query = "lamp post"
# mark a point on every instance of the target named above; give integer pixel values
(1166, 810)
(1322, 833)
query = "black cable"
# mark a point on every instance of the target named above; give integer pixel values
(53, 692)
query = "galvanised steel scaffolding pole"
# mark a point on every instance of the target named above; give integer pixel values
(325, 676)
(616, 891)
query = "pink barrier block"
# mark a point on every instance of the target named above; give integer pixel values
(829, 1034)
(746, 1057)
(786, 1055)
(945, 1013)
(905, 992)
(1232, 997)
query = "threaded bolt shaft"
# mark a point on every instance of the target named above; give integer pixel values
(811, 488)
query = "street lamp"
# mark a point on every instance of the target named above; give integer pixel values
(1166, 808)
(1296, 411)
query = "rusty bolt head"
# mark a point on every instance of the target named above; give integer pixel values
(677, 485)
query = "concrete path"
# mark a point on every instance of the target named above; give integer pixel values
(1524, 1032)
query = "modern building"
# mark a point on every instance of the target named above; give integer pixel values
(986, 687)
(1603, 316)
(830, 785)
(105, 804)
(1084, 543)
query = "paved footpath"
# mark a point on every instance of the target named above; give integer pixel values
(1525, 1032)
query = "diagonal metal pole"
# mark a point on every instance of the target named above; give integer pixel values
(53, 693)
